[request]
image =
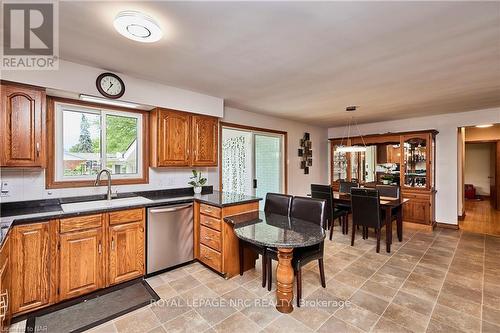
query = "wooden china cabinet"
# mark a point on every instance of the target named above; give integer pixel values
(410, 155)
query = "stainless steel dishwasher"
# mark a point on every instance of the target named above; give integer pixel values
(169, 236)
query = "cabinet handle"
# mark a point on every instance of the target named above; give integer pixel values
(207, 238)
(100, 247)
(112, 244)
(38, 149)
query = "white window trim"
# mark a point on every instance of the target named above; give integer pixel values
(59, 147)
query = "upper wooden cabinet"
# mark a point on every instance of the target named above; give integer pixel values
(205, 138)
(22, 118)
(182, 139)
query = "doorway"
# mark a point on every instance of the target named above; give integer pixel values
(480, 179)
(253, 160)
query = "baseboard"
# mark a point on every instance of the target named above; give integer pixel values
(461, 217)
(447, 226)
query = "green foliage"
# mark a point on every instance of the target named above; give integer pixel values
(85, 144)
(120, 133)
(197, 180)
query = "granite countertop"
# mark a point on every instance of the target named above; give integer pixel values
(24, 212)
(274, 230)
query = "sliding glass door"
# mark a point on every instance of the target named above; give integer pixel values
(252, 162)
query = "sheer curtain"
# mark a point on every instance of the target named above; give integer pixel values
(234, 169)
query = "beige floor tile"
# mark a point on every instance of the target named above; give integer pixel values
(438, 327)
(339, 289)
(287, 324)
(406, 317)
(429, 272)
(369, 302)
(166, 310)
(159, 329)
(236, 323)
(263, 313)
(137, 322)
(216, 312)
(414, 303)
(173, 275)
(324, 300)
(311, 317)
(357, 316)
(491, 296)
(456, 319)
(240, 298)
(336, 325)
(350, 279)
(183, 284)
(222, 286)
(165, 291)
(206, 275)
(460, 304)
(379, 290)
(454, 288)
(360, 269)
(420, 290)
(491, 315)
(489, 328)
(108, 327)
(188, 322)
(385, 325)
(198, 294)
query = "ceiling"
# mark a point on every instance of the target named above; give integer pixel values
(305, 61)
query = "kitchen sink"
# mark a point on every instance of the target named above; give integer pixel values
(103, 204)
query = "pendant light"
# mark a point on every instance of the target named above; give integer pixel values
(351, 149)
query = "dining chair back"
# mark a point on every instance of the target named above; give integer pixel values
(345, 187)
(388, 190)
(309, 209)
(365, 205)
(277, 203)
(319, 191)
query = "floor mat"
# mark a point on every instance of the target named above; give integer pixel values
(94, 310)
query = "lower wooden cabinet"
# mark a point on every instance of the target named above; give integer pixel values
(5, 286)
(30, 263)
(81, 263)
(126, 254)
(419, 207)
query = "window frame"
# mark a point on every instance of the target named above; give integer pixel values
(54, 177)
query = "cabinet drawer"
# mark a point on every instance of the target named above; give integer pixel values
(418, 196)
(210, 238)
(126, 216)
(80, 223)
(210, 210)
(210, 257)
(210, 222)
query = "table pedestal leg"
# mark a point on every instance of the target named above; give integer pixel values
(284, 278)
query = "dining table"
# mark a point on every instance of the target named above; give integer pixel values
(391, 205)
(284, 233)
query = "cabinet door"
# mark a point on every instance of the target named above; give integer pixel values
(417, 211)
(126, 254)
(205, 136)
(30, 263)
(5, 286)
(173, 138)
(22, 118)
(81, 263)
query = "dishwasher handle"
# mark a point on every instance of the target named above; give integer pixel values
(171, 209)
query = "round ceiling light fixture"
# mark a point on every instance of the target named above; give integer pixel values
(137, 26)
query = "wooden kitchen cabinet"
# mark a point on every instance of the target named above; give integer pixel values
(126, 255)
(5, 286)
(81, 262)
(215, 243)
(30, 264)
(170, 138)
(181, 139)
(22, 119)
(205, 137)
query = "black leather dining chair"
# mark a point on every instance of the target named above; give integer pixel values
(365, 204)
(332, 213)
(345, 187)
(388, 190)
(275, 203)
(314, 211)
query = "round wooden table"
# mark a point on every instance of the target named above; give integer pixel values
(283, 233)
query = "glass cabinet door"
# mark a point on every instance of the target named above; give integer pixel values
(415, 157)
(339, 163)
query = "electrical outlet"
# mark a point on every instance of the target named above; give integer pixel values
(4, 190)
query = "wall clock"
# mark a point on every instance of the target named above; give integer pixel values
(110, 85)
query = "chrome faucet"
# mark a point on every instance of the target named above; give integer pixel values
(98, 179)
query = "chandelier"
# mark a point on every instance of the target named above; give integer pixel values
(351, 148)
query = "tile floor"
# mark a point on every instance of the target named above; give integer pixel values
(440, 281)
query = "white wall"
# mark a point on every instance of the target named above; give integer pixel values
(79, 79)
(298, 182)
(446, 150)
(477, 166)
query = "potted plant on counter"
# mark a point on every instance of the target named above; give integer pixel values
(197, 181)
(386, 178)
